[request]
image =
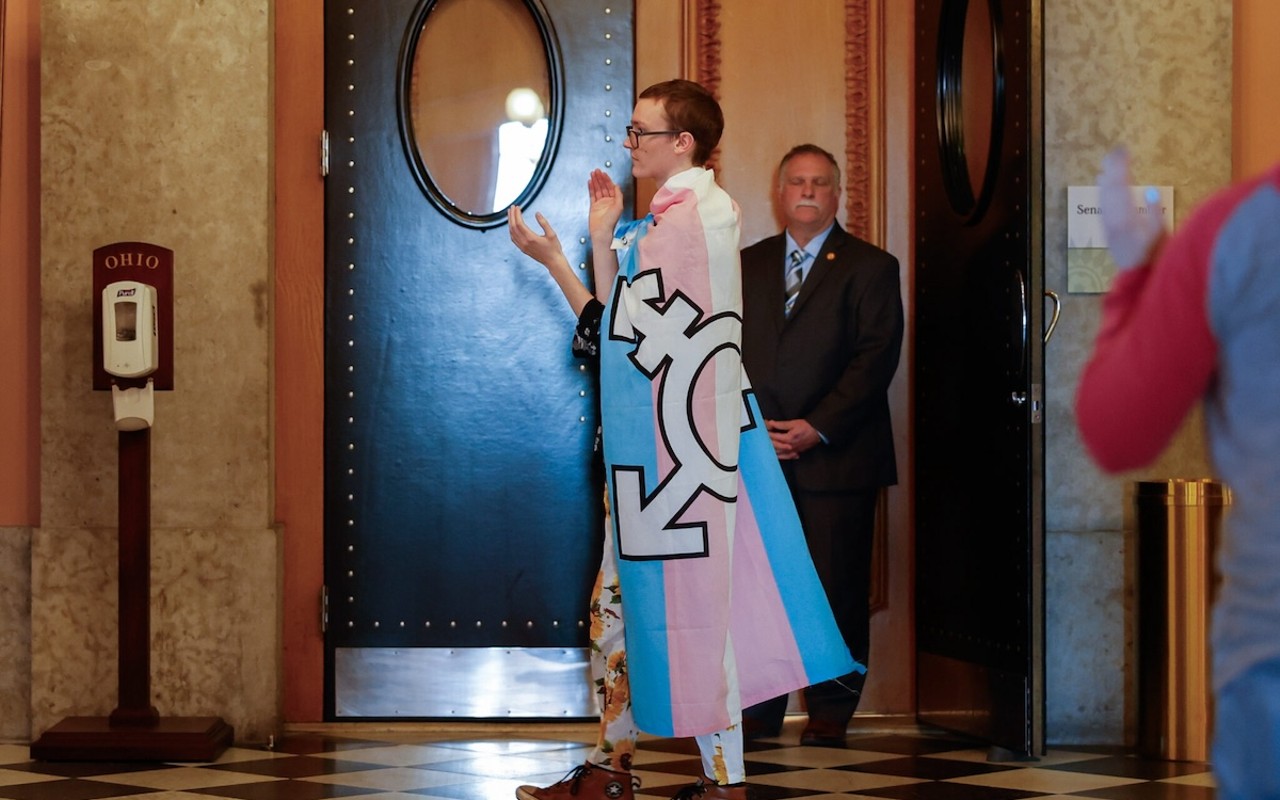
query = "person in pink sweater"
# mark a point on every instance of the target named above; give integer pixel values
(1194, 316)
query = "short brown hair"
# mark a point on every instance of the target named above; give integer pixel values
(690, 107)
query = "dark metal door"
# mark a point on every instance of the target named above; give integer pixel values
(979, 370)
(463, 515)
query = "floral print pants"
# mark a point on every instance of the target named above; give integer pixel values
(721, 751)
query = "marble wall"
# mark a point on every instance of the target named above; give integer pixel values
(15, 633)
(214, 611)
(156, 121)
(1159, 80)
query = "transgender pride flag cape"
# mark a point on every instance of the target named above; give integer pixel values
(722, 606)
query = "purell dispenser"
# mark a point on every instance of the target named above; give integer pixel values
(130, 349)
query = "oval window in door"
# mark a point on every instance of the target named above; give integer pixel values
(970, 103)
(480, 105)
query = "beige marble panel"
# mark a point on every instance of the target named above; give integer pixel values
(155, 127)
(1161, 83)
(1090, 669)
(215, 643)
(73, 624)
(15, 633)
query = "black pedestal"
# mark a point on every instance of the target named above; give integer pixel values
(168, 739)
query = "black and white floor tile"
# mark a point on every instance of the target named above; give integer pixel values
(481, 762)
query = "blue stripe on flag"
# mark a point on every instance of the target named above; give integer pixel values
(798, 584)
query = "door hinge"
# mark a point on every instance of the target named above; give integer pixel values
(324, 154)
(324, 609)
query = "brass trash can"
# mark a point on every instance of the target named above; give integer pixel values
(1178, 523)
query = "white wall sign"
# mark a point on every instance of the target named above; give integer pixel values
(1084, 217)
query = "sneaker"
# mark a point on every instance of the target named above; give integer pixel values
(707, 790)
(587, 782)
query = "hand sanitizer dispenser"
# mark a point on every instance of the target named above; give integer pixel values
(130, 340)
(130, 349)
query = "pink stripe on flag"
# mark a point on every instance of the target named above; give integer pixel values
(760, 624)
(698, 589)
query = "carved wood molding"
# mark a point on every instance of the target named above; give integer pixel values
(864, 119)
(864, 191)
(708, 33)
(706, 57)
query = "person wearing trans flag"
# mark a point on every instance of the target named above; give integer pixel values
(707, 600)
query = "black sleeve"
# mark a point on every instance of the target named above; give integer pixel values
(586, 344)
(586, 336)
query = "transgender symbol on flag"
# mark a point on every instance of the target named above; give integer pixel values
(674, 347)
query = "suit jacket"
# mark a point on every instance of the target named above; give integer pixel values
(832, 361)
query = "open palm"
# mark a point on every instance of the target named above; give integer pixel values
(606, 204)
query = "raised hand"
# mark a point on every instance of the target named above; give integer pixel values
(606, 204)
(1132, 233)
(541, 247)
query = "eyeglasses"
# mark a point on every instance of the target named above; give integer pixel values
(633, 135)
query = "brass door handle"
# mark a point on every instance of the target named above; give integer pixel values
(1057, 309)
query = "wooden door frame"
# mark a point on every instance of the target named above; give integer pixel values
(299, 350)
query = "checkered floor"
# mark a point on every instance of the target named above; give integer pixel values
(487, 763)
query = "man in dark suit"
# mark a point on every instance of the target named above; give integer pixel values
(822, 334)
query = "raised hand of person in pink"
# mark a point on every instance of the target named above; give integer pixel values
(1133, 231)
